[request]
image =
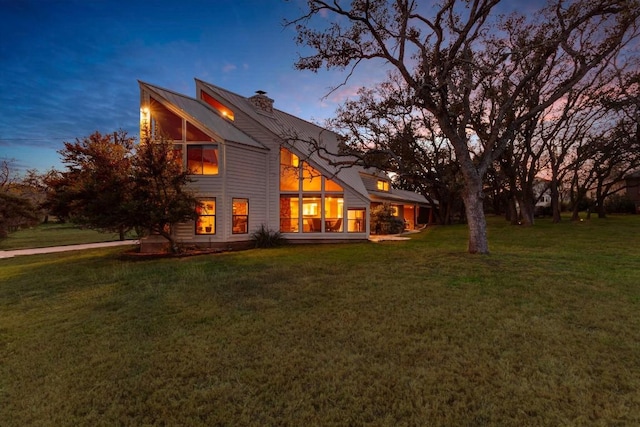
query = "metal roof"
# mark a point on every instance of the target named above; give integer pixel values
(396, 195)
(300, 134)
(203, 114)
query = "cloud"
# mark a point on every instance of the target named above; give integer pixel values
(227, 68)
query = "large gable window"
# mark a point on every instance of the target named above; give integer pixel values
(202, 159)
(309, 201)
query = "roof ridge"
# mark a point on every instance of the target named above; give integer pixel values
(275, 109)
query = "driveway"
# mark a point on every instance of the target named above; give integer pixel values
(53, 249)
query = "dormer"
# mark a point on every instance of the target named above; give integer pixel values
(382, 185)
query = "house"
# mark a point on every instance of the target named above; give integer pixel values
(632, 184)
(253, 165)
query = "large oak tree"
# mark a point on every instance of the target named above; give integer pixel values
(469, 66)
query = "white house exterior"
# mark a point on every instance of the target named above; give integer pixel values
(254, 165)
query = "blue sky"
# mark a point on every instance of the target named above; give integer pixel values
(70, 67)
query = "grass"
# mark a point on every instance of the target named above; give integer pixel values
(54, 234)
(544, 331)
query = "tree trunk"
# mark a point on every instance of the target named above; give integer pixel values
(527, 207)
(600, 202)
(555, 201)
(602, 212)
(476, 221)
(575, 214)
(511, 214)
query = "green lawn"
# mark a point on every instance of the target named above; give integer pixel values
(545, 331)
(54, 234)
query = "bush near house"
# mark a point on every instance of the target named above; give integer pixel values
(267, 238)
(384, 222)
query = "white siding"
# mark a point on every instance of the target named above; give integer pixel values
(246, 177)
(243, 174)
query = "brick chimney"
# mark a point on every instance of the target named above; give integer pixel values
(262, 102)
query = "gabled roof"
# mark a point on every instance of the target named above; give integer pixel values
(203, 114)
(396, 195)
(296, 133)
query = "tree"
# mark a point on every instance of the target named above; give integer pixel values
(96, 186)
(112, 184)
(159, 197)
(470, 67)
(33, 187)
(15, 209)
(384, 129)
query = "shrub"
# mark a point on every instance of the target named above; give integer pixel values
(266, 238)
(619, 203)
(384, 222)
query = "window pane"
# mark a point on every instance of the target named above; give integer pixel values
(176, 154)
(164, 122)
(224, 111)
(289, 171)
(333, 211)
(209, 160)
(202, 159)
(312, 215)
(240, 216)
(195, 134)
(194, 159)
(356, 218)
(330, 185)
(289, 214)
(311, 178)
(206, 222)
(383, 185)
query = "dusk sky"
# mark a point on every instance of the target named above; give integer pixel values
(69, 68)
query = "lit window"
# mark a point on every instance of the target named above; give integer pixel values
(311, 215)
(202, 159)
(356, 220)
(383, 185)
(289, 214)
(311, 178)
(316, 205)
(224, 111)
(206, 221)
(333, 211)
(196, 135)
(176, 154)
(289, 171)
(240, 220)
(164, 122)
(330, 185)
